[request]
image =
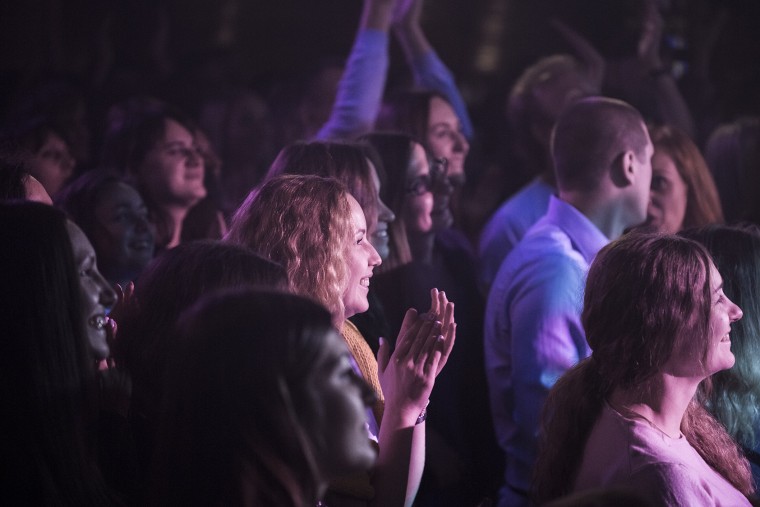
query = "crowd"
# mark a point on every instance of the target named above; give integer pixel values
(217, 305)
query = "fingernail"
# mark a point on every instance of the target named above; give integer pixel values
(382, 340)
(440, 338)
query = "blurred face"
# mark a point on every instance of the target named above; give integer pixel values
(337, 418)
(687, 358)
(125, 239)
(362, 259)
(445, 138)
(418, 205)
(667, 208)
(96, 294)
(173, 169)
(52, 165)
(556, 90)
(378, 235)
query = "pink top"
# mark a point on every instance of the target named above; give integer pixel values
(668, 471)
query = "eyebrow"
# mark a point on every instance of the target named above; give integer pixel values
(718, 288)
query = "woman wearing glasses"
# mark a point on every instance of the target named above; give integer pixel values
(418, 189)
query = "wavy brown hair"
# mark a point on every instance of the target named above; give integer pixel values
(304, 224)
(644, 294)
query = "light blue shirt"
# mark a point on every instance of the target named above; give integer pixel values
(533, 331)
(508, 225)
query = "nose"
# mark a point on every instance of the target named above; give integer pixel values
(107, 296)
(193, 157)
(385, 214)
(460, 143)
(735, 313)
(374, 257)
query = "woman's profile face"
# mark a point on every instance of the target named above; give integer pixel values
(669, 194)
(124, 237)
(336, 417)
(418, 205)
(687, 360)
(173, 169)
(95, 292)
(445, 138)
(361, 260)
(378, 235)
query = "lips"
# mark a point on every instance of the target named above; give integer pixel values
(364, 282)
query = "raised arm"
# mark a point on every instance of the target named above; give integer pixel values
(428, 70)
(361, 88)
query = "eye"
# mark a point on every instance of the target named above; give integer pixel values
(659, 183)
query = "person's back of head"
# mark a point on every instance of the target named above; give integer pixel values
(170, 284)
(535, 102)
(346, 162)
(733, 156)
(588, 138)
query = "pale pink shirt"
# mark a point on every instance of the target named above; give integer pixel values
(623, 452)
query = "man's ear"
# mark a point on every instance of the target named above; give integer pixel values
(622, 172)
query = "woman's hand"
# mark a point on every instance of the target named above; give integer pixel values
(423, 347)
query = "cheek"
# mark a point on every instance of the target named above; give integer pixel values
(439, 147)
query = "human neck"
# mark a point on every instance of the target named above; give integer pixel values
(605, 213)
(176, 214)
(663, 404)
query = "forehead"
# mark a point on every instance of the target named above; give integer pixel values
(79, 243)
(715, 279)
(333, 347)
(174, 131)
(118, 194)
(357, 215)
(441, 112)
(418, 165)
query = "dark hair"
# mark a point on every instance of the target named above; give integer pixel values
(408, 112)
(170, 284)
(395, 152)
(734, 397)
(346, 162)
(135, 127)
(733, 156)
(79, 198)
(12, 179)
(589, 135)
(644, 293)
(46, 372)
(230, 434)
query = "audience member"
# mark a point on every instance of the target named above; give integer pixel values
(114, 217)
(42, 149)
(52, 327)
(262, 405)
(154, 147)
(357, 166)
(683, 191)
(170, 284)
(460, 438)
(733, 156)
(535, 102)
(317, 230)
(658, 322)
(16, 183)
(602, 160)
(734, 396)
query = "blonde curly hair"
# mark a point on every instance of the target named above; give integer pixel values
(303, 223)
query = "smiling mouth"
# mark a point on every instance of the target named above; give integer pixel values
(364, 282)
(381, 233)
(98, 321)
